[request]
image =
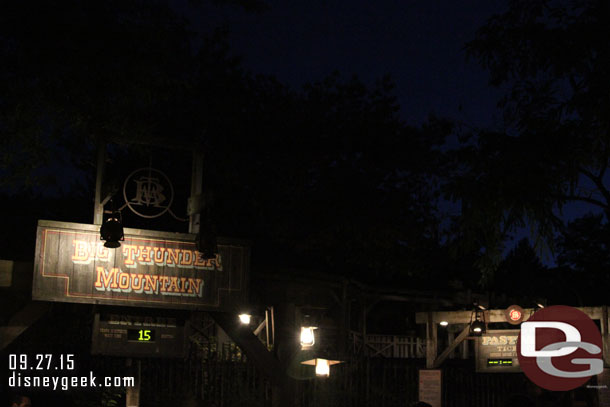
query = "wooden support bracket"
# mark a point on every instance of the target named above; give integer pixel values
(268, 364)
(460, 338)
(21, 321)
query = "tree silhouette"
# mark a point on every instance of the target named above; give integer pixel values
(584, 257)
(551, 59)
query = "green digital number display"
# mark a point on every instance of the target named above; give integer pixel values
(499, 362)
(141, 335)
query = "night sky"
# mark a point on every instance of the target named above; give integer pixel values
(419, 43)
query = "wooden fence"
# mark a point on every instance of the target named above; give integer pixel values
(221, 376)
(232, 381)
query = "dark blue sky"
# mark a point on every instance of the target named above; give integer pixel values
(418, 42)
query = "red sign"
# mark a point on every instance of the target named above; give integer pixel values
(514, 314)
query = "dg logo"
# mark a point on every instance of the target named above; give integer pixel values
(560, 348)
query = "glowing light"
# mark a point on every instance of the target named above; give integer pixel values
(245, 319)
(444, 323)
(322, 367)
(307, 336)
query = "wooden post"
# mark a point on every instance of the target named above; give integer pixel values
(605, 335)
(98, 207)
(196, 199)
(344, 320)
(364, 343)
(132, 396)
(431, 341)
(272, 327)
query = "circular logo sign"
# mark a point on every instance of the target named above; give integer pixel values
(148, 192)
(560, 348)
(514, 314)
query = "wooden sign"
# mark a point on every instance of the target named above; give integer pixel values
(138, 336)
(496, 351)
(150, 269)
(430, 390)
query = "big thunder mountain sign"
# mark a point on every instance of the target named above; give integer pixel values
(150, 269)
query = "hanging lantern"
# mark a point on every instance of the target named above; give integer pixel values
(112, 231)
(477, 321)
(322, 365)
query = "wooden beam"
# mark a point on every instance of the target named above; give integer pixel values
(494, 315)
(21, 321)
(441, 358)
(260, 327)
(252, 346)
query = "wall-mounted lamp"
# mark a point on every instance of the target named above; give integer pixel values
(307, 337)
(112, 231)
(245, 319)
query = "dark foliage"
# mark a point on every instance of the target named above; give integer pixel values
(551, 59)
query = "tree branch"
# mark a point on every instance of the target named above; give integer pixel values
(598, 182)
(584, 199)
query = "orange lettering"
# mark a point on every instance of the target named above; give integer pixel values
(129, 253)
(173, 285)
(144, 256)
(81, 251)
(150, 284)
(106, 279)
(173, 256)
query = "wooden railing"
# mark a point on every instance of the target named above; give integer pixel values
(388, 346)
